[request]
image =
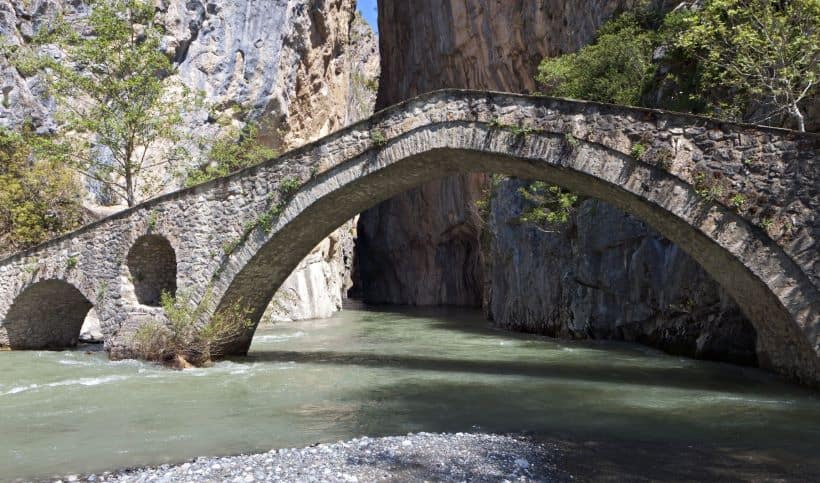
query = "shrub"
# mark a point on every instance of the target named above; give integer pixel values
(549, 205)
(184, 340)
(232, 151)
(289, 186)
(615, 68)
(378, 138)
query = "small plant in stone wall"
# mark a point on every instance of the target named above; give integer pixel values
(71, 263)
(708, 187)
(184, 341)
(738, 201)
(287, 189)
(152, 220)
(378, 137)
(571, 141)
(102, 291)
(289, 186)
(638, 150)
(661, 157)
(518, 131)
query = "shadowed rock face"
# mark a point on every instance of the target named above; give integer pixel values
(604, 275)
(422, 247)
(238, 238)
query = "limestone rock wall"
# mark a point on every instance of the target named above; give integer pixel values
(301, 68)
(606, 275)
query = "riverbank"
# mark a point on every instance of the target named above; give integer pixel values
(415, 457)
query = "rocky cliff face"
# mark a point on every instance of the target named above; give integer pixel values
(422, 247)
(605, 275)
(301, 68)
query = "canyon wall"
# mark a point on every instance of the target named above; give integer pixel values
(300, 68)
(604, 275)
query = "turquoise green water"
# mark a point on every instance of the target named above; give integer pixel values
(377, 373)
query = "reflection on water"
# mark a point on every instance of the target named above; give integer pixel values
(378, 373)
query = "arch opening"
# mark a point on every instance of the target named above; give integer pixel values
(152, 266)
(46, 316)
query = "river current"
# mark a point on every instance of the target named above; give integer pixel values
(387, 373)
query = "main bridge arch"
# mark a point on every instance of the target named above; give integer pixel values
(238, 238)
(773, 291)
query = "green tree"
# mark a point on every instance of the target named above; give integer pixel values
(757, 52)
(38, 199)
(118, 115)
(615, 68)
(234, 150)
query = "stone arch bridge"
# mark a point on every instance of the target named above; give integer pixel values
(741, 200)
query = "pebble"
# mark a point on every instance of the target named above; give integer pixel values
(415, 457)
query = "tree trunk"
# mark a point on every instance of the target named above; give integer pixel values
(130, 199)
(801, 122)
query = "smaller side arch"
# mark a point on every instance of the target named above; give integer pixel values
(47, 315)
(152, 266)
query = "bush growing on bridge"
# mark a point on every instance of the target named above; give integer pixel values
(184, 341)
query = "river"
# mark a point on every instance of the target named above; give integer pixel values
(617, 406)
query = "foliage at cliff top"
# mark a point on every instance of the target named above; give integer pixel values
(118, 117)
(759, 51)
(750, 60)
(38, 199)
(615, 68)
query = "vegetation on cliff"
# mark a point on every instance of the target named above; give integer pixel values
(742, 60)
(119, 117)
(234, 150)
(39, 199)
(759, 56)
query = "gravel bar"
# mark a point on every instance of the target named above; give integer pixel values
(415, 457)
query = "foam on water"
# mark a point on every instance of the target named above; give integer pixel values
(277, 337)
(85, 381)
